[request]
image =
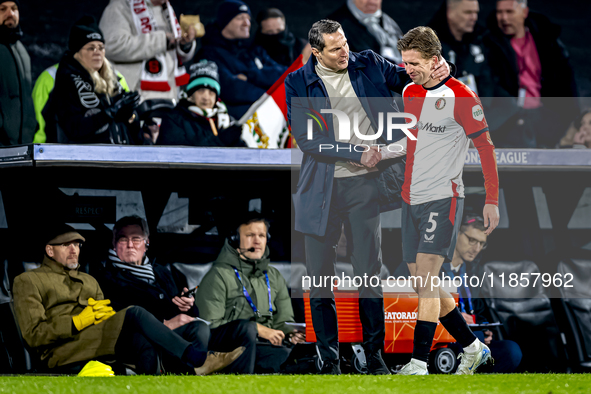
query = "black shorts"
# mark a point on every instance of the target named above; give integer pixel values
(431, 228)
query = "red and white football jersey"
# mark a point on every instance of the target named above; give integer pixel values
(448, 115)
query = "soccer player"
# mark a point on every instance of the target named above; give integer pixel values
(449, 116)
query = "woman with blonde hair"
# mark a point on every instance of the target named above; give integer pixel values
(88, 104)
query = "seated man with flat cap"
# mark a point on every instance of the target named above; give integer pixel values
(64, 317)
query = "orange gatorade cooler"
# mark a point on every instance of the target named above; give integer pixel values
(400, 314)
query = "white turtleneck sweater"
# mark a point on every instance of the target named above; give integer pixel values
(342, 97)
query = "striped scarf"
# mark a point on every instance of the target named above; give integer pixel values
(144, 272)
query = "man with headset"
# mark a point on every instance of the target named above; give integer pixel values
(247, 302)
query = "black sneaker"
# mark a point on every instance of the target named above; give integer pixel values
(376, 365)
(330, 367)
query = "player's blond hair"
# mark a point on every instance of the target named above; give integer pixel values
(423, 40)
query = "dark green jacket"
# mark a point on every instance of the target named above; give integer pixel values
(220, 298)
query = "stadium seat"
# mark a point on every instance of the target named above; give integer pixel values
(192, 273)
(576, 311)
(527, 316)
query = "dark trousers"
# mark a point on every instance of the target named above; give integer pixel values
(257, 357)
(355, 204)
(197, 333)
(143, 338)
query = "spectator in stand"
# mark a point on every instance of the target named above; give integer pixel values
(87, 104)
(525, 54)
(202, 118)
(17, 116)
(43, 87)
(275, 38)
(471, 241)
(579, 133)
(368, 27)
(145, 42)
(246, 71)
(461, 41)
(129, 278)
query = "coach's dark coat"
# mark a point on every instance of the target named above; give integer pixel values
(371, 76)
(46, 299)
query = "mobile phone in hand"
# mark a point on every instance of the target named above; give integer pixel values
(190, 293)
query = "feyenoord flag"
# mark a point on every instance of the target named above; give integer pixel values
(264, 125)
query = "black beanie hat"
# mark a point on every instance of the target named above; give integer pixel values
(83, 32)
(14, 1)
(204, 75)
(228, 10)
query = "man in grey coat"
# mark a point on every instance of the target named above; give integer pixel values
(17, 115)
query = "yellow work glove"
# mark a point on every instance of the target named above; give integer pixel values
(84, 319)
(99, 305)
(103, 314)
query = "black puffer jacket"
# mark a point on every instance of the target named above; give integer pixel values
(181, 126)
(17, 115)
(75, 113)
(469, 55)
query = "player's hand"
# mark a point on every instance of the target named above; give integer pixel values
(491, 216)
(469, 318)
(371, 157)
(273, 336)
(488, 337)
(441, 71)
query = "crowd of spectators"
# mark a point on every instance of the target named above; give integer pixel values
(138, 51)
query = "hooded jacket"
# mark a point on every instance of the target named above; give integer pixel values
(17, 115)
(235, 57)
(469, 55)
(220, 298)
(74, 113)
(182, 126)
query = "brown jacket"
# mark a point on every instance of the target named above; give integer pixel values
(45, 300)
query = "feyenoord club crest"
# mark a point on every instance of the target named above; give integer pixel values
(440, 103)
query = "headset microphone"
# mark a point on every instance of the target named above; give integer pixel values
(249, 249)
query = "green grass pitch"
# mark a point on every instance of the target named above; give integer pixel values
(436, 384)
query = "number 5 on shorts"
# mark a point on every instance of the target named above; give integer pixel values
(432, 221)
